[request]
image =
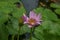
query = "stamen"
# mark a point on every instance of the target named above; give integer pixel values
(32, 21)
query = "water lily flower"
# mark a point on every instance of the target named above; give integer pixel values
(32, 20)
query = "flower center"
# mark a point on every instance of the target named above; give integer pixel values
(32, 21)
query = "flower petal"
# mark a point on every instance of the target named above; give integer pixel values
(25, 22)
(28, 20)
(30, 26)
(25, 18)
(38, 17)
(32, 14)
(38, 23)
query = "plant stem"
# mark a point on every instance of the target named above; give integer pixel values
(31, 33)
(18, 34)
(12, 37)
(17, 37)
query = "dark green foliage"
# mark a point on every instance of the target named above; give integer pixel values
(10, 15)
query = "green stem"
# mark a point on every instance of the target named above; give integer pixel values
(18, 34)
(17, 37)
(12, 37)
(31, 33)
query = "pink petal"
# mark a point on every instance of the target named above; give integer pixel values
(38, 17)
(32, 14)
(38, 23)
(26, 22)
(25, 18)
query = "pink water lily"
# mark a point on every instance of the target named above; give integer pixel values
(32, 20)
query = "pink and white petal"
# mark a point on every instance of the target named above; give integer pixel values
(32, 14)
(38, 23)
(25, 22)
(30, 26)
(25, 17)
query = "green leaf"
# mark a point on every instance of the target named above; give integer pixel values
(39, 10)
(50, 27)
(3, 32)
(3, 17)
(34, 38)
(39, 33)
(54, 5)
(48, 31)
(46, 14)
(24, 29)
(13, 26)
(18, 12)
(6, 7)
(57, 11)
(9, 0)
